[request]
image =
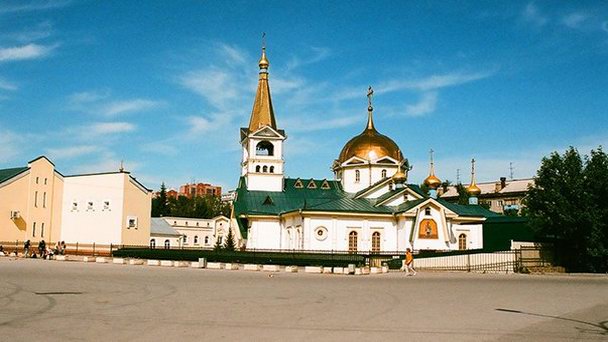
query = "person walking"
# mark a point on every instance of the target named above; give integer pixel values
(409, 263)
(42, 248)
(26, 248)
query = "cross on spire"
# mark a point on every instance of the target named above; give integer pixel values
(370, 95)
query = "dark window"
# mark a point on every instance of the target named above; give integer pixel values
(264, 148)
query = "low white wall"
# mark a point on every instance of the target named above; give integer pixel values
(502, 262)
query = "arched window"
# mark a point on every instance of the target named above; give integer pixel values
(462, 241)
(352, 242)
(196, 239)
(153, 243)
(272, 169)
(185, 239)
(257, 168)
(384, 173)
(220, 239)
(357, 176)
(376, 242)
(167, 244)
(264, 148)
(265, 169)
(206, 240)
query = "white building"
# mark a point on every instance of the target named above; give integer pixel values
(105, 208)
(162, 235)
(196, 232)
(369, 207)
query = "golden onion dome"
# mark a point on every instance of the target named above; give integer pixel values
(473, 190)
(399, 177)
(263, 63)
(370, 145)
(432, 181)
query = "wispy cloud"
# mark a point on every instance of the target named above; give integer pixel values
(317, 54)
(27, 6)
(532, 14)
(7, 85)
(10, 145)
(37, 32)
(104, 128)
(427, 104)
(25, 52)
(308, 124)
(71, 152)
(575, 20)
(100, 102)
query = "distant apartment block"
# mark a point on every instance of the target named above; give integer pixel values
(500, 196)
(200, 190)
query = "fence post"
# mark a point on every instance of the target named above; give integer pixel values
(94, 248)
(468, 262)
(76, 248)
(17, 247)
(111, 247)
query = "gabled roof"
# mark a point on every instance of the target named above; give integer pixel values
(6, 174)
(468, 210)
(513, 186)
(159, 226)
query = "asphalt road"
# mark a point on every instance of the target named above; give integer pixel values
(72, 301)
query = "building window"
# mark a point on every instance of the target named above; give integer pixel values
(45, 181)
(34, 230)
(272, 169)
(36, 199)
(132, 222)
(384, 173)
(44, 199)
(42, 230)
(89, 205)
(264, 148)
(257, 169)
(185, 239)
(37, 180)
(167, 244)
(206, 240)
(376, 242)
(321, 233)
(175, 223)
(152, 243)
(106, 205)
(197, 224)
(186, 223)
(352, 242)
(462, 241)
(265, 169)
(427, 211)
(220, 239)
(357, 176)
(74, 206)
(196, 239)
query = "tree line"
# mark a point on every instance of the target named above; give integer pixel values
(182, 206)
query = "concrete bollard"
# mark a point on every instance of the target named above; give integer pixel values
(88, 259)
(215, 265)
(166, 263)
(195, 264)
(61, 257)
(338, 270)
(328, 270)
(313, 269)
(101, 260)
(252, 267)
(202, 262)
(231, 266)
(180, 264)
(385, 269)
(291, 269)
(375, 270)
(351, 269)
(365, 270)
(136, 262)
(118, 261)
(153, 262)
(271, 268)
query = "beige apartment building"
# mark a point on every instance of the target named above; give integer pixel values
(39, 203)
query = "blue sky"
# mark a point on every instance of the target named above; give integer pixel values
(164, 86)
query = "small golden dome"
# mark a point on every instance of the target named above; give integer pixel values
(432, 181)
(263, 63)
(473, 190)
(399, 177)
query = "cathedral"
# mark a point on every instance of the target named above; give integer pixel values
(367, 207)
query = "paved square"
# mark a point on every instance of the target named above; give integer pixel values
(69, 301)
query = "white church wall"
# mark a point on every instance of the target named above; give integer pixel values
(438, 243)
(349, 179)
(264, 182)
(473, 232)
(265, 234)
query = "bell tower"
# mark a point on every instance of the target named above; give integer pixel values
(262, 141)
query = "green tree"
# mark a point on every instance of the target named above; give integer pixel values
(160, 204)
(463, 195)
(568, 204)
(229, 244)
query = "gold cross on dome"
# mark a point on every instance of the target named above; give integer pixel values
(370, 94)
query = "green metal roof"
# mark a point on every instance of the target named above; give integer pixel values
(468, 210)
(6, 174)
